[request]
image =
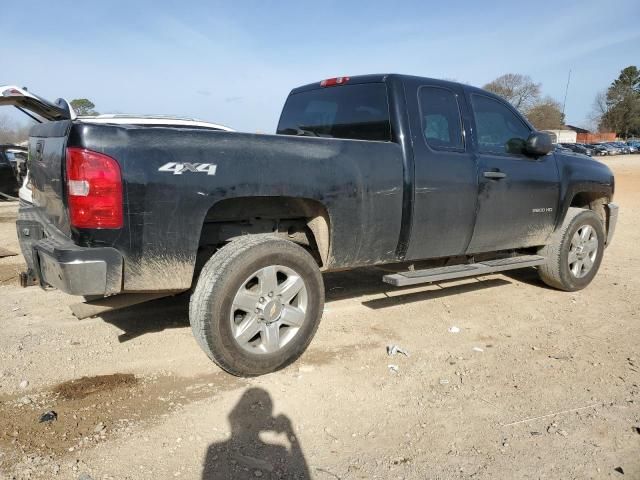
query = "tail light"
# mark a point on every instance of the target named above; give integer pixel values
(94, 189)
(332, 82)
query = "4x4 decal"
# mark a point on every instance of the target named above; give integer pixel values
(180, 168)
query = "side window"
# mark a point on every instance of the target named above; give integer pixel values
(441, 123)
(499, 130)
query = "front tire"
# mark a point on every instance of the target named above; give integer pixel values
(257, 304)
(575, 252)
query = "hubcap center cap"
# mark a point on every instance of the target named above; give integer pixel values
(272, 311)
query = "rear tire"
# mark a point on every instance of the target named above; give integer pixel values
(257, 304)
(575, 252)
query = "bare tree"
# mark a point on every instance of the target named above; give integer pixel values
(546, 114)
(598, 110)
(600, 103)
(520, 90)
(12, 132)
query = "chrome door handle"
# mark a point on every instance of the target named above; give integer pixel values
(495, 175)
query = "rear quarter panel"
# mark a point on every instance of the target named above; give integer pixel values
(47, 143)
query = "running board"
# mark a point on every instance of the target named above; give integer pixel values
(460, 271)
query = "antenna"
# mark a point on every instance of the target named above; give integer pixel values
(566, 91)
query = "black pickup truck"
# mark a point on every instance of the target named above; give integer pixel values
(445, 179)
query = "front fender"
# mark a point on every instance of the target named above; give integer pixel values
(580, 174)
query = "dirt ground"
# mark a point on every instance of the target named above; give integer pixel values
(537, 384)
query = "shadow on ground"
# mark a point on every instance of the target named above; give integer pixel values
(441, 292)
(173, 312)
(246, 454)
(527, 275)
(150, 317)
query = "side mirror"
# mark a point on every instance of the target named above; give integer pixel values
(539, 144)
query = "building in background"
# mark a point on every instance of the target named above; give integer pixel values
(585, 136)
(562, 136)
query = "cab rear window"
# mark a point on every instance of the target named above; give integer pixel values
(358, 112)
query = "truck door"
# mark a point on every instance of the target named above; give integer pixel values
(518, 194)
(445, 182)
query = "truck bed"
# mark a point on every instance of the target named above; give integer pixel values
(173, 177)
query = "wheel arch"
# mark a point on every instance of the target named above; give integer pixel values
(302, 220)
(589, 196)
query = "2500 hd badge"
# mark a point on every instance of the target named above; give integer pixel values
(542, 210)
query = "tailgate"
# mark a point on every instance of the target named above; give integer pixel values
(47, 143)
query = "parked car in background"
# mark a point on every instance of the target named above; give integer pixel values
(18, 157)
(599, 149)
(624, 148)
(10, 155)
(560, 149)
(634, 144)
(612, 149)
(590, 150)
(575, 147)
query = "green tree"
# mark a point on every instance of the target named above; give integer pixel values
(520, 90)
(546, 114)
(622, 111)
(83, 106)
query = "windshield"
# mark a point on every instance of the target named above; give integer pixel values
(359, 112)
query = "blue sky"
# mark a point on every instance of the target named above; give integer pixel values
(235, 62)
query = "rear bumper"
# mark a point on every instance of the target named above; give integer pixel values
(56, 261)
(612, 220)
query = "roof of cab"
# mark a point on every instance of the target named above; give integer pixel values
(374, 78)
(412, 79)
(383, 77)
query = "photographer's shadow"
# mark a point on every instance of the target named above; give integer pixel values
(246, 455)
